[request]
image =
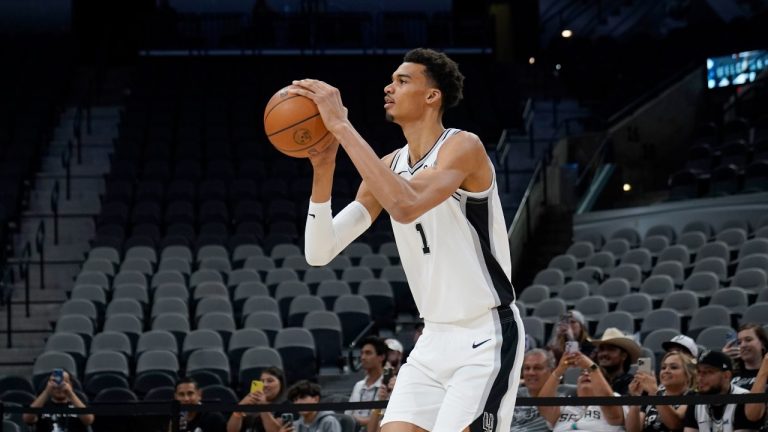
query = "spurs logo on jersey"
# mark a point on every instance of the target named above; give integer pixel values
(456, 255)
(488, 422)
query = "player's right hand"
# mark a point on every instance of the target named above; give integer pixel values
(326, 157)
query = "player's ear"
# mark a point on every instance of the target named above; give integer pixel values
(434, 95)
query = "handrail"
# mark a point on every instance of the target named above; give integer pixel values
(350, 357)
(55, 210)
(596, 157)
(24, 263)
(40, 246)
(66, 163)
(7, 293)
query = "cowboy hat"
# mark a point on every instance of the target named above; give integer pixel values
(615, 337)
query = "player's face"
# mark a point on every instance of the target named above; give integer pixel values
(408, 93)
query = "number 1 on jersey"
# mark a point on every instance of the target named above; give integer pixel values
(424, 245)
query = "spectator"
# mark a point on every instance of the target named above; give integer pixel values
(305, 392)
(573, 327)
(387, 385)
(756, 412)
(538, 365)
(678, 377)
(58, 393)
(273, 393)
(616, 352)
(395, 355)
(188, 392)
(747, 351)
(681, 343)
(373, 355)
(715, 371)
(591, 382)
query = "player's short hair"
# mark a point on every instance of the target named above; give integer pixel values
(443, 71)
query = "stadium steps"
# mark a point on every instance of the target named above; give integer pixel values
(552, 236)
(75, 228)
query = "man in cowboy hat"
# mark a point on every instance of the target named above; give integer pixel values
(616, 352)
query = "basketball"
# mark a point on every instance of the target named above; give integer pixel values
(294, 126)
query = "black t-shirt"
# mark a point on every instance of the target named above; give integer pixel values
(745, 378)
(206, 422)
(740, 420)
(253, 422)
(652, 422)
(620, 384)
(59, 422)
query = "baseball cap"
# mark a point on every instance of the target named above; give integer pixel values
(684, 342)
(717, 360)
(394, 345)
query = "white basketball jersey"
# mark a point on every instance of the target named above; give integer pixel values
(455, 256)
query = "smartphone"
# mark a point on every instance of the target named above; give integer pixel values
(257, 386)
(387, 376)
(58, 376)
(287, 418)
(731, 338)
(572, 346)
(644, 365)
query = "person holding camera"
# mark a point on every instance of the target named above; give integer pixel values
(305, 392)
(572, 327)
(58, 392)
(678, 377)
(385, 391)
(591, 382)
(269, 389)
(747, 350)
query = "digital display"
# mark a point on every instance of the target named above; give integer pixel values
(735, 69)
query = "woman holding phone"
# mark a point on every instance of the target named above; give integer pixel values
(269, 389)
(747, 352)
(678, 377)
(591, 382)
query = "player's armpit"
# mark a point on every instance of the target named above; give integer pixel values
(461, 163)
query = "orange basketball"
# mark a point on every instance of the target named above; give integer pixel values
(294, 126)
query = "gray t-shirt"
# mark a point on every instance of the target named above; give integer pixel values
(528, 418)
(324, 422)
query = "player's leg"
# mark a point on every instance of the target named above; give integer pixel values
(482, 393)
(418, 393)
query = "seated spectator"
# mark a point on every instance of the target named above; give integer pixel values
(538, 365)
(58, 393)
(188, 392)
(387, 385)
(591, 382)
(747, 352)
(395, 355)
(715, 371)
(756, 412)
(681, 343)
(305, 392)
(616, 352)
(678, 377)
(273, 380)
(373, 356)
(572, 327)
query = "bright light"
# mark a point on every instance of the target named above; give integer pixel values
(558, 66)
(627, 187)
(532, 60)
(566, 33)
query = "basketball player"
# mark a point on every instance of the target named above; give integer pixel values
(440, 191)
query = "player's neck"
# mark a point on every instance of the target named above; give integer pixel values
(421, 137)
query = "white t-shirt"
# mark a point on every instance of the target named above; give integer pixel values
(586, 419)
(364, 393)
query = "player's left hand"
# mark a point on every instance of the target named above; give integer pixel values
(326, 97)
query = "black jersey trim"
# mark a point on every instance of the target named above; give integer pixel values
(477, 211)
(415, 167)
